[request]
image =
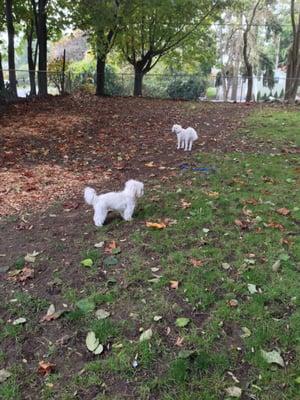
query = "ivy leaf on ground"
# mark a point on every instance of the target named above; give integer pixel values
(88, 262)
(93, 344)
(102, 314)
(86, 305)
(252, 288)
(272, 357)
(4, 374)
(182, 322)
(147, 335)
(234, 391)
(110, 261)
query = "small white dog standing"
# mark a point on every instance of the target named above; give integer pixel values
(124, 202)
(185, 137)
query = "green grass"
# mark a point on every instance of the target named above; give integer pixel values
(276, 126)
(196, 361)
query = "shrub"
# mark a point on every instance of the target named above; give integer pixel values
(190, 88)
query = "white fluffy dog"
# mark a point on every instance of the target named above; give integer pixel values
(123, 202)
(185, 137)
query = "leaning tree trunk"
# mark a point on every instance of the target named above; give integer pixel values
(11, 47)
(138, 82)
(2, 84)
(31, 59)
(100, 78)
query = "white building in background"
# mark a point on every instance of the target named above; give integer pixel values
(258, 88)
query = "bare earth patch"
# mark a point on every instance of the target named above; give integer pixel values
(52, 148)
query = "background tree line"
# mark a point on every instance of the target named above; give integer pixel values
(146, 32)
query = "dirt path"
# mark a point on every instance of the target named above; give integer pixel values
(52, 148)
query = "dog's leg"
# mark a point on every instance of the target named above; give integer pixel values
(190, 145)
(178, 142)
(127, 215)
(99, 216)
(186, 142)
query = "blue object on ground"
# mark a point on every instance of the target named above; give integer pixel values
(199, 169)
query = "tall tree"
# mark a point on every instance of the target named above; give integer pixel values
(2, 23)
(293, 61)
(246, 53)
(154, 28)
(40, 17)
(11, 47)
(102, 20)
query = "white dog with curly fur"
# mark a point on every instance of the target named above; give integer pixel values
(124, 202)
(185, 137)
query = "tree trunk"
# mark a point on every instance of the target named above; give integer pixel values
(138, 82)
(100, 78)
(41, 34)
(31, 59)
(293, 64)
(11, 47)
(2, 84)
(249, 69)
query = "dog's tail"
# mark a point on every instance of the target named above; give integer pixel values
(90, 195)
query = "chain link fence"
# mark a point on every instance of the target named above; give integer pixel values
(165, 86)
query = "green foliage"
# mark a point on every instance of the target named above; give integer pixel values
(190, 88)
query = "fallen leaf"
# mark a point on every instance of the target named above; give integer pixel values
(233, 303)
(179, 341)
(241, 224)
(52, 314)
(93, 344)
(26, 273)
(102, 314)
(156, 225)
(174, 284)
(110, 247)
(186, 353)
(99, 245)
(182, 322)
(88, 262)
(4, 374)
(150, 164)
(157, 318)
(276, 266)
(225, 266)
(234, 391)
(246, 333)
(19, 321)
(213, 195)
(275, 225)
(30, 257)
(147, 335)
(197, 263)
(110, 261)
(45, 368)
(185, 204)
(86, 305)
(283, 211)
(272, 357)
(252, 288)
